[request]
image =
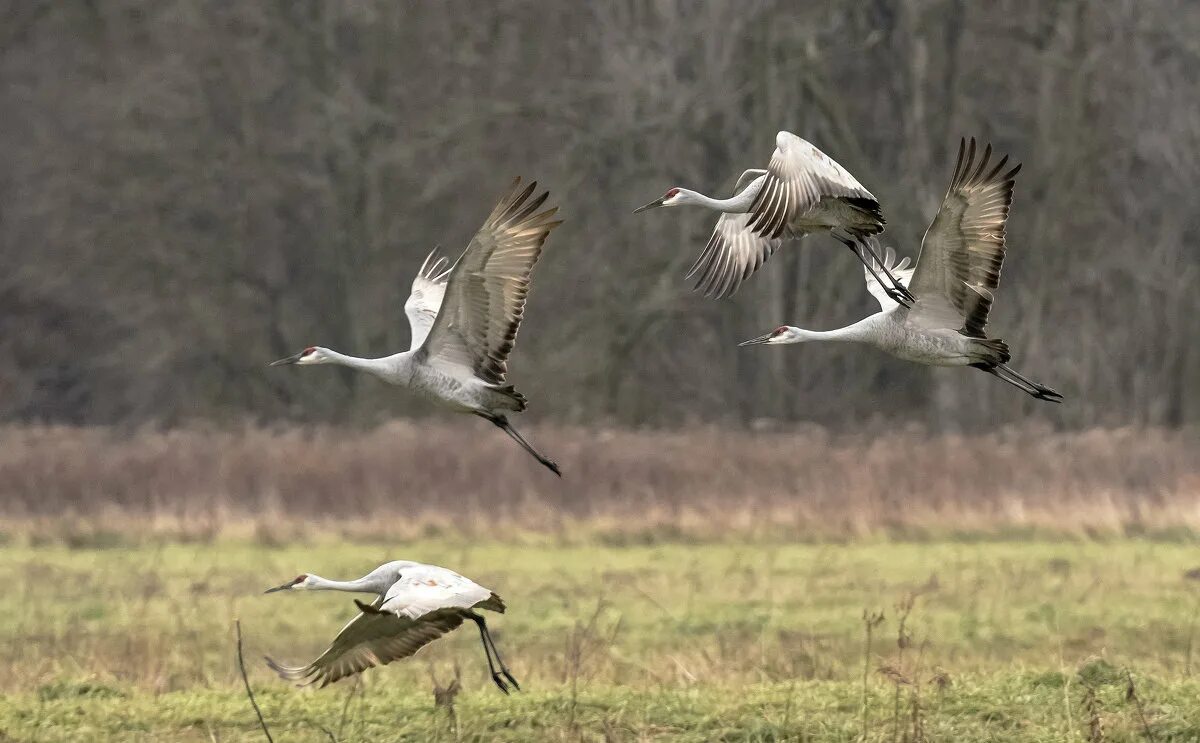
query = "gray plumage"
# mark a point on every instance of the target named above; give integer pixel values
(464, 318)
(415, 604)
(802, 191)
(952, 282)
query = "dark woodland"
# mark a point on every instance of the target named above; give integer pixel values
(189, 190)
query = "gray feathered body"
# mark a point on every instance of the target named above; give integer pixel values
(891, 333)
(860, 217)
(464, 318)
(417, 604)
(458, 392)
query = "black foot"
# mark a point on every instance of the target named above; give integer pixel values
(510, 678)
(500, 682)
(898, 292)
(1047, 394)
(900, 295)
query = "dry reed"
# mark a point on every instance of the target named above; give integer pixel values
(420, 478)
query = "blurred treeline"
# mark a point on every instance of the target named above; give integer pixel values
(189, 190)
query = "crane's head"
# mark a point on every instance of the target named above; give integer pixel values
(673, 197)
(782, 334)
(299, 583)
(310, 355)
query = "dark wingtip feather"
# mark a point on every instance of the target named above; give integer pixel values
(983, 163)
(962, 148)
(530, 207)
(996, 170)
(524, 194)
(367, 608)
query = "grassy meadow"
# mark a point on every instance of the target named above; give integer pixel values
(969, 640)
(693, 585)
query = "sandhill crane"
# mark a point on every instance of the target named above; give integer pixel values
(953, 280)
(464, 318)
(415, 604)
(802, 191)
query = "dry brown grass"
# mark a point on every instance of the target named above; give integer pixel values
(418, 478)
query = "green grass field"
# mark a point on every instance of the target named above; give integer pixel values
(1005, 641)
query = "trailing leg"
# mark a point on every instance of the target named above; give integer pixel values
(898, 287)
(499, 661)
(502, 422)
(863, 252)
(487, 651)
(1040, 391)
(1031, 388)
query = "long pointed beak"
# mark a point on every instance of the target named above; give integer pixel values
(651, 205)
(289, 360)
(756, 341)
(284, 587)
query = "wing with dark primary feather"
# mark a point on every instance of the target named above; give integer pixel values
(799, 176)
(731, 255)
(963, 249)
(374, 638)
(485, 294)
(425, 603)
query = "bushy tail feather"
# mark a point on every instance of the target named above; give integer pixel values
(990, 351)
(493, 603)
(518, 400)
(871, 215)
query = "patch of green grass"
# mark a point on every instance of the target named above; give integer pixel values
(618, 642)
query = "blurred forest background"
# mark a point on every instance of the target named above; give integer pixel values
(189, 190)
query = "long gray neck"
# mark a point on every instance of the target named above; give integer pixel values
(863, 331)
(366, 584)
(385, 368)
(739, 203)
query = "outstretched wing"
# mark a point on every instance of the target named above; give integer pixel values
(375, 637)
(963, 249)
(486, 290)
(734, 251)
(732, 254)
(423, 303)
(900, 270)
(798, 177)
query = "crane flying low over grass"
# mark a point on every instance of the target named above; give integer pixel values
(802, 191)
(464, 319)
(415, 604)
(953, 280)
